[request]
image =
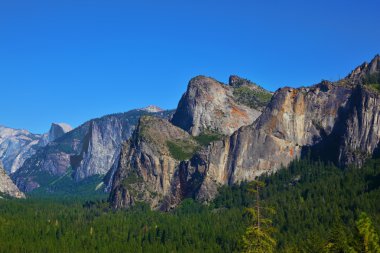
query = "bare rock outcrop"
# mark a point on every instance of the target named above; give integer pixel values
(7, 187)
(149, 162)
(211, 106)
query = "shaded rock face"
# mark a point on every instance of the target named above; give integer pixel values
(147, 168)
(16, 146)
(90, 149)
(192, 180)
(361, 136)
(57, 130)
(7, 187)
(210, 106)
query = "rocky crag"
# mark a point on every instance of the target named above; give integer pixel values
(149, 161)
(150, 166)
(334, 121)
(7, 187)
(212, 107)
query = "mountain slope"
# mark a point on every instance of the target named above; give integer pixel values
(18, 145)
(7, 187)
(338, 122)
(84, 152)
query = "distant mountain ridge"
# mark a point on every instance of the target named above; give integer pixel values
(220, 134)
(152, 108)
(17, 145)
(84, 152)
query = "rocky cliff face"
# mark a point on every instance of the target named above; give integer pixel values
(7, 187)
(149, 162)
(338, 122)
(88, 150)
(360, 138)
(294, 119)
(211, 106)
(100, 146)
(157, 156)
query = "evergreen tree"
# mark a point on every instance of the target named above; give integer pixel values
(339, 241)
(258, 236)
(369, 236)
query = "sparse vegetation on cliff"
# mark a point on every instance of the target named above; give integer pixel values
(185, 149)
(372, 81)
(372, 78)
(206, 138)
(181, 150)
(251, 97)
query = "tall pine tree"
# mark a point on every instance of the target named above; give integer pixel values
(258, 236)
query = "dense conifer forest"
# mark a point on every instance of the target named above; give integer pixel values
(319, 208)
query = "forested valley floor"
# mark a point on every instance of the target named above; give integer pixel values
(316, 204)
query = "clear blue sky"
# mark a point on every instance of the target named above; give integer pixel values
(73, 60)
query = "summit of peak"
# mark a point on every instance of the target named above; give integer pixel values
(65, 127)
(152, 108)
(365, 70)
